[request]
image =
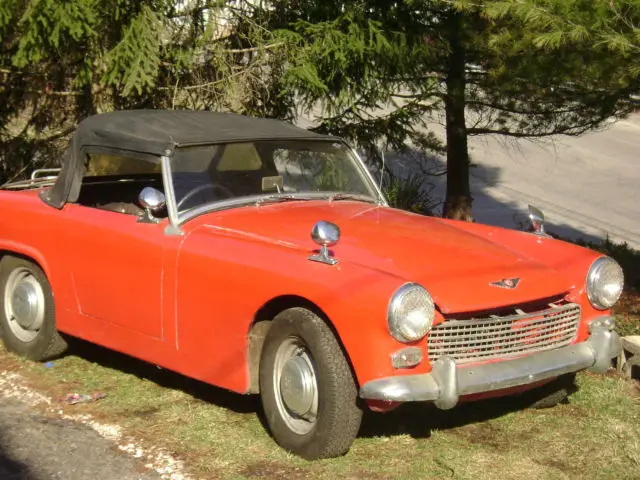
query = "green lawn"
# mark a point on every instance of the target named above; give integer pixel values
(221, 435)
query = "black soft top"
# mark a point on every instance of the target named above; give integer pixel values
(151, 133)
(155, 131)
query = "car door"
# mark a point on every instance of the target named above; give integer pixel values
(116, 262)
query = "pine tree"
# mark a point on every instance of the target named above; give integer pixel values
(513, 68)
(63, 60)
(377, 70)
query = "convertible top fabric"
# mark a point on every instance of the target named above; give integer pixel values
(154, 131)
(160, 132)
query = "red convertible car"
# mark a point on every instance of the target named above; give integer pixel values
(264, 259)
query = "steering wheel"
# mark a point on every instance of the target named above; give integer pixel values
(205, 186)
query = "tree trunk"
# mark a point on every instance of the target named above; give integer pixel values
(85, 105)
(458, 201)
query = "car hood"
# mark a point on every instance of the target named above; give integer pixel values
(454, 264)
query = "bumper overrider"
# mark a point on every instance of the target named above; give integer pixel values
(447, 382)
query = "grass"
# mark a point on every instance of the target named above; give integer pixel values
(221, 435)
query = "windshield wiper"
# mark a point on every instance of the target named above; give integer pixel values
(280, 197)
(351, 196)
(288, 197)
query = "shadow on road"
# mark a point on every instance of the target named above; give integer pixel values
(484, 182)
(10, 468)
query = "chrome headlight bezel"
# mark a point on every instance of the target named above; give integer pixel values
(594, 284)
(400, 325)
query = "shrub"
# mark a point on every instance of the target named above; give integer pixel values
(410, 194)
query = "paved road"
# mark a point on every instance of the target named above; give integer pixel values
(35, 447)
(587, 186)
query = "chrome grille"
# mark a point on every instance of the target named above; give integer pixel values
(481, 339)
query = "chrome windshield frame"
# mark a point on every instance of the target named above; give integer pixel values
(176, 219)
(382, 200)
(174, 222)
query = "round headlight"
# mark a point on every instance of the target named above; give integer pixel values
(411, 313)
(604, 283)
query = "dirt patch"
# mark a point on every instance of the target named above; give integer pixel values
(558, 464)
(634, 389)
(485, 434)
(567, 410)
(369, 476)
(146, 412)
(9, 362)
(272, 470)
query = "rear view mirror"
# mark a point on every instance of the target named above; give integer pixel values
(272, 183)
(537, 220)
(152, 201)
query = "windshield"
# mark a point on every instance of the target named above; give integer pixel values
(270, 169)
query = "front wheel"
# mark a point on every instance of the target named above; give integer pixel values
(308, 392)
(27, 311)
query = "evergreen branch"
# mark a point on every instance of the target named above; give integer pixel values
(570, 130)
(519, 111)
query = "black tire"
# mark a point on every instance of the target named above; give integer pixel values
(551, 394)
(338, 416)
(47, 342)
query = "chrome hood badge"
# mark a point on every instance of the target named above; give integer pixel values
(509, 283)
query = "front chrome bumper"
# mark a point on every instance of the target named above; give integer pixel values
(447, 381)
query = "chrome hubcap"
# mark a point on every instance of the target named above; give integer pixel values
(296, 386)
(24, 304)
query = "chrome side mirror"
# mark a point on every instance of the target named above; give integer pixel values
(325, 234)
(152, 201)
(537, 221)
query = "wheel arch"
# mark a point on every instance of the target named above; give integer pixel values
(262, 322)
(47, 343)
(25, 252)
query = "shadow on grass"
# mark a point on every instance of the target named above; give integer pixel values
(414, 419)
(418, 420)
(164, 378)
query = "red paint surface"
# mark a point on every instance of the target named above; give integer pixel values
(187, 302)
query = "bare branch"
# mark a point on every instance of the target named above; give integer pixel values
(255, 49)
(56, 135)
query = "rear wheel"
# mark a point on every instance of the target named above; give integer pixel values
(27, 311)
(308, 391)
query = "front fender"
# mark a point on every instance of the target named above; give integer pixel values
(568, 259)
(224, 279)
